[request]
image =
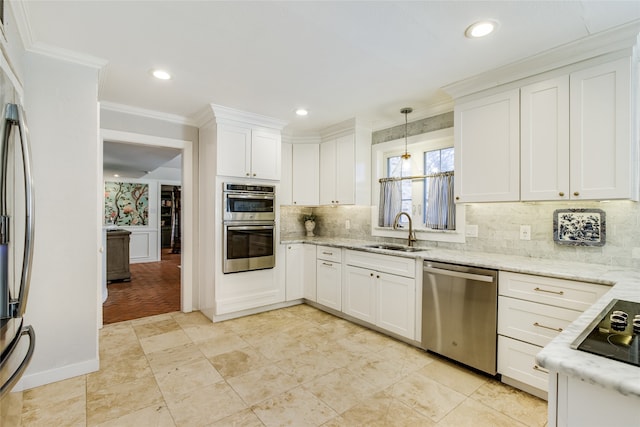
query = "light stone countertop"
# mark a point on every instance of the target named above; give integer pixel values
(557, 356)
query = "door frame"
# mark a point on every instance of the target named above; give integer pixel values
(186, 270)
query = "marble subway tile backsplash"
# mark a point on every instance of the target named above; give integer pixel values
(498, 229)
(330, 221)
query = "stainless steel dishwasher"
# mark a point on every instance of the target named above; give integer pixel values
(459, 312)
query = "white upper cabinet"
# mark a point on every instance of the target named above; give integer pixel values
(603, 137)
(284, 194)
(248, 153)
(305, 174)
(338, 171)
(234, 150)
(576, 136)
(487, 147)
(544, 140)
(265, 155)
(573, 136)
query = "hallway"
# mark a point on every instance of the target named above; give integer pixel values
(154, 289)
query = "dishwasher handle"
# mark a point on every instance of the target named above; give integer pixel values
(462, 275)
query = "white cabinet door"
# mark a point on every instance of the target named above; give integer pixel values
(294, 266)
(309, 275)
(487, 146)
(517, 360)
(345, 191)
(329, 284)
(544, 140)
(265, 155)
(306, 160)
(396, 297)
(360, 293)
(283, 197)
(602, 158)
(337, 171)
(233, 151)
(328, 172)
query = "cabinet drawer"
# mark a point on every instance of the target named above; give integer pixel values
(383, 263)
(547, 290)
(329, 253)
(517, 360)
(532, 322)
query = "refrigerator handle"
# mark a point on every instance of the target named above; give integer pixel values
(25, 279)
(8, 385)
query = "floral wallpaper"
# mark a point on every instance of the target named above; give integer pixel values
(126, 203)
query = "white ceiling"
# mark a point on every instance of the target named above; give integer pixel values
(135, 160)
(339, 59)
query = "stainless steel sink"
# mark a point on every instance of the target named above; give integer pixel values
(395, 247)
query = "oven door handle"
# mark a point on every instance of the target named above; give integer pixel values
(250, 196)
(249, 227)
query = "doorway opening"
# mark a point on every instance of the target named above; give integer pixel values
(160, 262)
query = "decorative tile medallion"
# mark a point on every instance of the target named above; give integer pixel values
(579, 227)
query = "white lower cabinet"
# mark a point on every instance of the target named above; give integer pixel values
(579, 403)
(532, 310)
(396, 298)
(382, 299)
(294, 267)
(360, 294)
(309, 266)
(329, 277)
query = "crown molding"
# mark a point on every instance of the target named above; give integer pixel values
(222, 114)
(301, 139)
(150, 114)
(67, 55)
(616, 39)
(23, 24)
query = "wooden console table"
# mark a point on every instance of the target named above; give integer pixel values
(118, 255)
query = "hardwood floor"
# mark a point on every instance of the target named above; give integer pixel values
(154, 289)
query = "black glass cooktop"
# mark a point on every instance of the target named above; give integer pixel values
(616, 335)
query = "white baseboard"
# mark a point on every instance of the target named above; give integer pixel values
(37, 379)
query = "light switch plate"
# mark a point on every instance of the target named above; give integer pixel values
(525, 232)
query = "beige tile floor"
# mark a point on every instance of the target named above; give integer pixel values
(296, 366)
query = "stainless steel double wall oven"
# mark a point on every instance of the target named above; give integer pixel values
(249, 227)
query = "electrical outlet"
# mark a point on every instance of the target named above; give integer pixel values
(471, 230)
(347, 224)
(525, 232)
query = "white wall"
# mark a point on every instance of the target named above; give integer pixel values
(62, 112)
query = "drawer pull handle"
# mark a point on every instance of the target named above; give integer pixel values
(547, 327)
(327, 253)
(538, 368)
(327, 264)
(548, 291)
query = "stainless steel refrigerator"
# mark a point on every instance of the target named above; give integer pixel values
(17, 340)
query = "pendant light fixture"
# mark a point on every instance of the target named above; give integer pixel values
(405, 111)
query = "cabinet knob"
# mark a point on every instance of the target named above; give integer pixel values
(295, 203)
(561, 194)
(289, 247)
(576, 193)
(337, 202)
(371, 274)
(254, 174)
(457, 197)
(247, 173)
(377, 277)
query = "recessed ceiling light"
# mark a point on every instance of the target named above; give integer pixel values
(302, 112)
(480, 29)
(161, 74)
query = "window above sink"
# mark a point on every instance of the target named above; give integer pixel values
(423, 148)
